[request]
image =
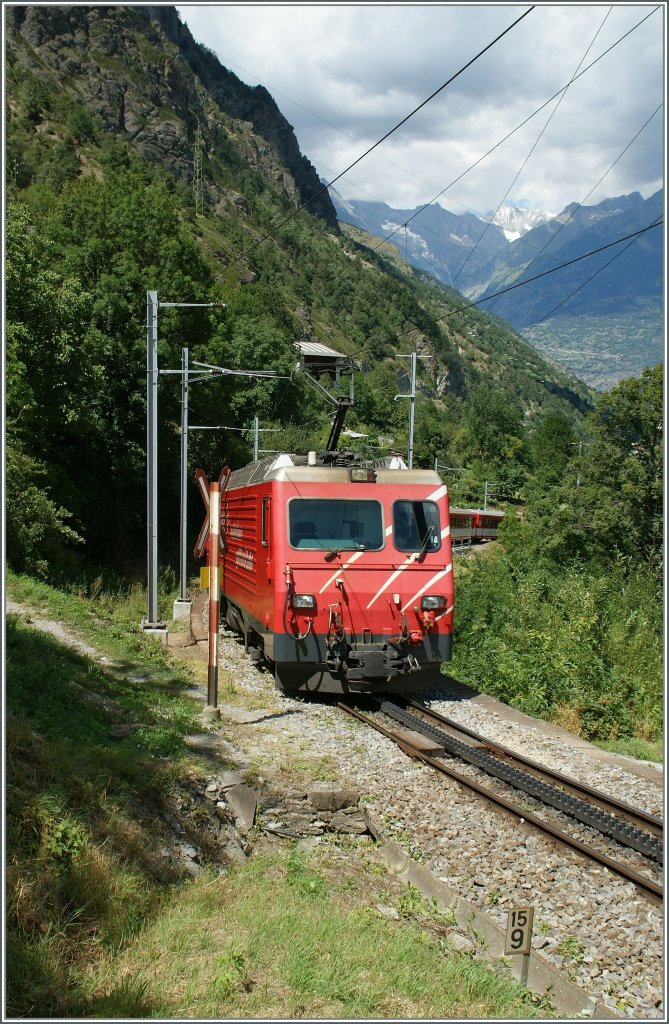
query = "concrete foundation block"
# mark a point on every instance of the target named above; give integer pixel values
(155, 630)
(181, 609)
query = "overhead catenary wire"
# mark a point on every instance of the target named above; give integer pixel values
(588, 280)
(578, 206)
(532, 149)
(562, 224)
(291, 99)
(518, 126)
(387, 135)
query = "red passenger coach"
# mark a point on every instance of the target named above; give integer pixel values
(475, 524)
(339, 576)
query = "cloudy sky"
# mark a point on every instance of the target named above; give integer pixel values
(344, 75)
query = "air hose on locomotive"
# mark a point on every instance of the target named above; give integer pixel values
(288, 573)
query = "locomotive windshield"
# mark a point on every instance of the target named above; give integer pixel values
(416, 526)
(333, 525)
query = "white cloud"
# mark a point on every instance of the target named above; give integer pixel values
(359, 69)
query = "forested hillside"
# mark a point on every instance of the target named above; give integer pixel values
(103, 110)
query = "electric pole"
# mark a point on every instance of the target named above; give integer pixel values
(412, 401)
(197, 173)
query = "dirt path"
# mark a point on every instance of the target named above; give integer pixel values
(55, 629)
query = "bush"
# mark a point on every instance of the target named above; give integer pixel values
(545, 639)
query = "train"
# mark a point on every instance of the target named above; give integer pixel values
(471, 525)
(338, 575)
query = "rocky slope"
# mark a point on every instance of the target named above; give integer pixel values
(141, 72)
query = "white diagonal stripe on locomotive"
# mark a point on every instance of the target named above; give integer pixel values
(430, 583)
(446, 611)
(341, 570)
(391, 579)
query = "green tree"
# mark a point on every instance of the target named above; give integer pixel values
(551, 447)
(622, 479)
(493, 430)
(76, 293)
(48, 389)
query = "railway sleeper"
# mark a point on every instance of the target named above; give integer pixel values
(607, 824)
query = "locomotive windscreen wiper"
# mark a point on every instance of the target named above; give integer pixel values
(424, 545)
(420, 514)
(356, 546)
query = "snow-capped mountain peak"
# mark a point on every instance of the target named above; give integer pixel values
(515, 221)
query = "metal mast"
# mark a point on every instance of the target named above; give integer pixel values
(197, 172)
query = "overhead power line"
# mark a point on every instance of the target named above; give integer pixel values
(589, 279)
(496, 146)
(271, 234)
(519, 284)
(532, 149)
(383, 138)
(517, 128)
(430, 230)
(578, 206)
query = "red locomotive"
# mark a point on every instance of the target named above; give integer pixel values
(339, 576)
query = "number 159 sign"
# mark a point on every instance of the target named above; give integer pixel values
(519, 930)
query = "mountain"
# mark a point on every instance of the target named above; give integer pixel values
(576, 231)
(139, 71)
(146, 83)
(602, 315)
(434, 239)
(617, 301)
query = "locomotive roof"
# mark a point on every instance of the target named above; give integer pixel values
(295, 467)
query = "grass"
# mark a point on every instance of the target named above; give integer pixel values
(642, 750)
(99, 924)
(82, 833)
(277, 945)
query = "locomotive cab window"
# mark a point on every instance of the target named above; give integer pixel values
(334, 525)
(416, 526)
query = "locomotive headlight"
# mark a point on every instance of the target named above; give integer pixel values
(433, 603)
(303, 601)
(359, 475)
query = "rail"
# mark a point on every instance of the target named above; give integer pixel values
(651, 888)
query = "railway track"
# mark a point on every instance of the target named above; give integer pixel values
(617, 820)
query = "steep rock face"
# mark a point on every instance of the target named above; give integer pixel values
(254, 105)
(140, 71)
